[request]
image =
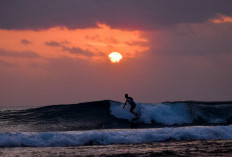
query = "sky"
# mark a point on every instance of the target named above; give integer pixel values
(57, 52)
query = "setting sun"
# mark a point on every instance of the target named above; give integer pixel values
(115, 57)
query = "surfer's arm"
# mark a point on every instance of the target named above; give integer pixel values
(125, 104)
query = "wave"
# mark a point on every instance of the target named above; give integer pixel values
(83, 116)
(178, 113)
(106, 137)
(110, 115)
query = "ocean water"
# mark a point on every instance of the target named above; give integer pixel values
(104, 128)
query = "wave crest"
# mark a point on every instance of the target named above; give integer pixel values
(106, 137)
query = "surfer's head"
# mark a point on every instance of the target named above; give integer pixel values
(126, 95)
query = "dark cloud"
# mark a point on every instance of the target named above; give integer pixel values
(193, 39)
(25, 41)
(128, 14)
(24, 54)
(76, 50)
(55, 43)
(73, 50)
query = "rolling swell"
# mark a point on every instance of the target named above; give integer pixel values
(83, 116)
(109, 114)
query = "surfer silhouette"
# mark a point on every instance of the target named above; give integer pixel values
(132, 103)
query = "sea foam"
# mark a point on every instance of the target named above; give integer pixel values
(178, 113)
(106, 137)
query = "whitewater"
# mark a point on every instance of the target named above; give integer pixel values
(106, 137)
(177, 113)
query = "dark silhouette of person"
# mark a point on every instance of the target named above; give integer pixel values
(132, 103)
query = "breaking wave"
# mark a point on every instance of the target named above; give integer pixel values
(177, 113)
(112, 136)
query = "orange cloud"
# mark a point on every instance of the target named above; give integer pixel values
(90, 43)
(222, 19)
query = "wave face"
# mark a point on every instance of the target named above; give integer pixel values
(110, 115)
(83, 116)
(105, 137)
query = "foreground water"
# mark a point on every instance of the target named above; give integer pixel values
(170, 148)
(104, 128)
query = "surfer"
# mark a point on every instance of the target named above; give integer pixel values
(132, 103)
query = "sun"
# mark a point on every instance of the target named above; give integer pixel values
(115, 57)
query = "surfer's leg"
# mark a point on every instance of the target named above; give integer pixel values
(136, 114)
(132, 111)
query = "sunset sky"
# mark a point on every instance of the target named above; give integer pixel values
(57, 52)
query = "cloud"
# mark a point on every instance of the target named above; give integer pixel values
(25, 41)
(7, 64)
(76, 50)
(128, 14)
(72, 50)
(55, 43)
(23, 54)
(136, 43)
(193, 39)
(90, 43)
(222, 19)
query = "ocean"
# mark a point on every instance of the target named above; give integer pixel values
(104, 128)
